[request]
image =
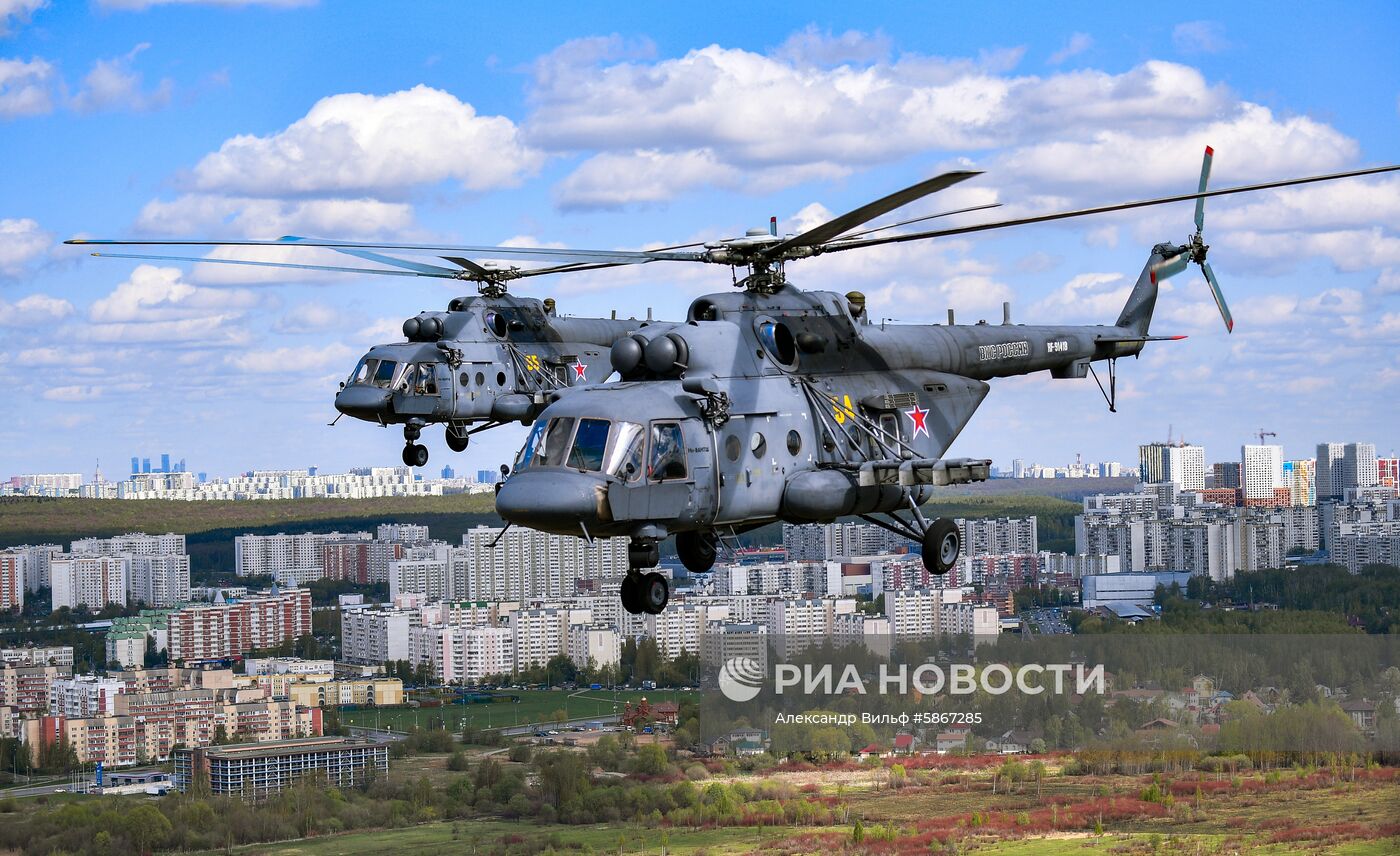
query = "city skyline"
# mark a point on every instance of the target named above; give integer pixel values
(540, 141)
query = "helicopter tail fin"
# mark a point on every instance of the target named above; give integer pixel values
(1165, 261)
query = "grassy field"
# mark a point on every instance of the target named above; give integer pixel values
(34, 518)
(506, 837)
(535, 706)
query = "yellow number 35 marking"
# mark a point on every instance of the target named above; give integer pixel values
(842, 410)
(532, 362)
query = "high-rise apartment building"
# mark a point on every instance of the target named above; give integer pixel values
(1300, 479)
(1181, 464)
(1345, 466)
(1261, 472)
(89, 580)
(161, 580)
(12, 581)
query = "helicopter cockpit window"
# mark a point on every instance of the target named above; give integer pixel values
(624, 460)
(384, 373)
(364, 371)
(667, 452)
(589, 443)
(549, 446)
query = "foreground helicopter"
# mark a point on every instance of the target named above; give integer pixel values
(778, 404)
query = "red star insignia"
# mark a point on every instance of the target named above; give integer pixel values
(919, 417)
(579, 371)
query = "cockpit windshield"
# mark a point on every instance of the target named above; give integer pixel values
(374, 371)
(598, 445)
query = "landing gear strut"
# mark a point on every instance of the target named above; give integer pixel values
(414, 454)
(644, 592)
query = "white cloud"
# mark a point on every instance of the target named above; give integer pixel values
(72, 394)
(21, 242)
(1346, 203)
(1388, 282)
(1078, 43)
(1346, 249)
(1199, 37)
(14, 13)
(309, 317)
(158, 294)
(1096, 296)
(26, 88)
(34, 310)
(51, 356)
(819, 47)
(232, 217)
(299, 360)
(353, 143)
(112, 84)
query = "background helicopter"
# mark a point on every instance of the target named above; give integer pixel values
(489, 359)
(778, 404)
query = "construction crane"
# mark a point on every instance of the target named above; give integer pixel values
(1262, 434)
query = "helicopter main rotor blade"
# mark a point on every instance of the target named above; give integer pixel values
(869, 211)
(1082, 212)
(553, 254)
(865, 232)
(445, 273)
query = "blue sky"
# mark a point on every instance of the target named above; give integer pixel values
(587, 126)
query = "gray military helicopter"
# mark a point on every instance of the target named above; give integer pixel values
(772, 403)
(489, 359)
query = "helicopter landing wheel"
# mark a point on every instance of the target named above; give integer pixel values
(942, 543)
(457, 442)
(631, 593)
(415, 455)
(654, 593)
(696, 551)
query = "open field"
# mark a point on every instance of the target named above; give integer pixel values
(24, 518)
(535, 706)
(510, 837)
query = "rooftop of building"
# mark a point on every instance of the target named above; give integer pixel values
(301, 745)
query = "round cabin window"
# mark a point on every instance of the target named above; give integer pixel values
(759, 445)
(794, 443)
(733, 447)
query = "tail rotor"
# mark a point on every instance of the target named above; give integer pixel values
(1195, 250)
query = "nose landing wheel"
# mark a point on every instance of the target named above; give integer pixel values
(415, 454)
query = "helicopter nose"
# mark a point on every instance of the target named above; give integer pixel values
(553, 500)
(363, 402)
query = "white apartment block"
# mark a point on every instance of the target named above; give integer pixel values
(159, 579)
(857, 628)
(679, 627)
(1361, 544)
(282, 554)
(127, 649)
(977, 621)
(1261, 471)
(917, 613)
(375, 636)
(543, 634)
(725, 640)
(405, 533)
(526, 564)
(464, 655)
(84, 695)
(53, 655)
(12, 581)
(772, 578)
(435, 576)
(37, 559)
(132, 543)
(999, 536)
(596, 645)
(798, 623)
(91, 581)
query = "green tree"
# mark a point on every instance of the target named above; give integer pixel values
(146, 828)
